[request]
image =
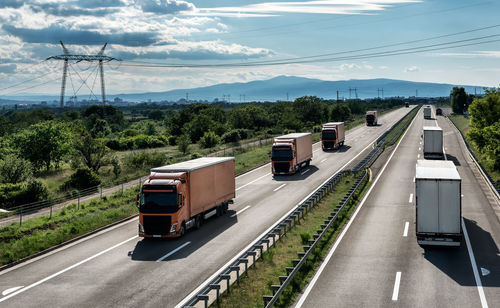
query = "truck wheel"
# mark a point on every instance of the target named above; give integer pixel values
(197, 222)
(308, 163)
(182, 230)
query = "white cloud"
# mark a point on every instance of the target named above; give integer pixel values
(412, 69)
(349, 66)
(303, 7)
(383, 67)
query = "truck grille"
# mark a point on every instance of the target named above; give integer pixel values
(156, 224)
(328, 144)
(281, 167)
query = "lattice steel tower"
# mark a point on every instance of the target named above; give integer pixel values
(78, 58)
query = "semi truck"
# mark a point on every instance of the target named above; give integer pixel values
(438, 203)
(433, 142)
(439, 111)
(371, 118)
(427, 112)
(332, 135)
(291, 152)
(407, 105)
(181, 196)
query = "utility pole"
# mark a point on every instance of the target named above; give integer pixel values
(350, 92)
(416, 93)
(356, 92)
(287, 97)
(66, 57)
(337, 96)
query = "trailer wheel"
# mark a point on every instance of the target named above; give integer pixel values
(308, 163)
(182, 229)
(197, 222)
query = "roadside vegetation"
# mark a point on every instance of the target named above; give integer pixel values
(251, 287)
(47, 153)
(482, 130)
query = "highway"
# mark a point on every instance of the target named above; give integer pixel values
(376, 262)
(116, 268)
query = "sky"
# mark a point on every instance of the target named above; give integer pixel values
(174, 44)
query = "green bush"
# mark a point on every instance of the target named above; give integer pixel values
(196, 155)
(209, 140)
(83, 178)
(12, 195)
(231, 136)
(144, 160)
(172, 140)
(14, 169)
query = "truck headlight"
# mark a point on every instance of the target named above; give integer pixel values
(141, 229)
(172, 229)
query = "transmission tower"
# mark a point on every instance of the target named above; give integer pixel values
(66, 57)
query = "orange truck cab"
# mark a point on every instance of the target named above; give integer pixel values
(291, 152)
(181, 196)
(332, 135)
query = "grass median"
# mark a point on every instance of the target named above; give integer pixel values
(250, 289)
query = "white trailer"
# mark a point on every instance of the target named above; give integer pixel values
(427, 112)
(438, 203)
(433, 142)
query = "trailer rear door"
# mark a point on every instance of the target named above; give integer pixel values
(427, 207)
(449, 207)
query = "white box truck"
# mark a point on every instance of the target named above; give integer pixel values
(438, 203)
(427, 112)
(433, 142)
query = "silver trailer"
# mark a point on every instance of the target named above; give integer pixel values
(433, 142)
(427, 112)
(438, 203)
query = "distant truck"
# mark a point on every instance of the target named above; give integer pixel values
(180, 196)
(433, 142)
(427, 112)
(407, 105)
(439, 111)
(291, 152)
(371, 118)
(438, 203)
(332, 135)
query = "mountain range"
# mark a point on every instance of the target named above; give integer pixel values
(287, 87)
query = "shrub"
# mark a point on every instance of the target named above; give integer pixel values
(231, 136)
(83, 178)
(304, 237)
(145, 160)
(12, 195)
(196, 155)
(14, 169)
(209, 140)
(113, 144)
(172, 140)
(183, 143)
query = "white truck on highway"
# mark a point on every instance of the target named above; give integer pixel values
(438, 203)
(427, 112)
(433, 142)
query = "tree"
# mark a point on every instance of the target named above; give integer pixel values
(458, 100)
(183, 143)
(44, 143)
(311, 109)
(156, 115)
(340, 112)
(209, 140)
(14, 169)
(100, 129)
(92, 151)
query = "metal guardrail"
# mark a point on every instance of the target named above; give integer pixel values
(233, 272)
(485, 174)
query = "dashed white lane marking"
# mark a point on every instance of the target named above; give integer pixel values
(413, 179)
(411, 198)
(241, 211)
(405, 232)
(280, 187)
(479, 284)
(418, 156)
(395, 292)
(323, 160)
(66, 269)
(306, 171)
(8, 291)
(173, 251)
(251, 182)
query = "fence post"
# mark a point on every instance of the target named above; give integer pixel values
(122, 188)
(21, 216)
(50, 211)
(101, 190)
(78, 200)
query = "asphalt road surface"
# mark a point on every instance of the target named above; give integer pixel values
(116, 268)
(378, 263)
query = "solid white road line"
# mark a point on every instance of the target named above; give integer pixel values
(8, 291)
(411, 198)
(339, 239)
(413, 179)
(240, 211)
(173, 251)
(322, 161)
(418, 156)
(419, 149)
(280, 187)
(479, 284)
(395, 292)
(306, 171)
(251, 182)
(405, 232)
(66, 269)
(218, 272)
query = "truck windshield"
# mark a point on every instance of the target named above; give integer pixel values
(328, 135)
(158, 202)
(281, 153)
(370, 117)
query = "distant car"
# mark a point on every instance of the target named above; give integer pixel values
(439, 111)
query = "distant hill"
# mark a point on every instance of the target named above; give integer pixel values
(279, 87)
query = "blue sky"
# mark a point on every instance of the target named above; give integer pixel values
(221, 31)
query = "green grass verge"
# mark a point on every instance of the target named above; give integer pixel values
(40, 233)
(463, 125)
(397, 130)
(251, 288)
